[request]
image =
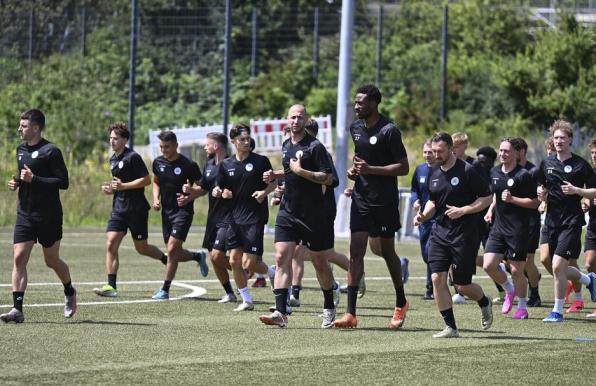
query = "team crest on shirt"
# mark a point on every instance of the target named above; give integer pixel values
(208, 173)
(299, 154)
(177, 171)
(510, 182)
(372, 140)
(249, 167)
(34, 154)
(568, 168)
(121, 164)
(455, 181)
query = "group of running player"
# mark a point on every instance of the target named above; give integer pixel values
(448, 194)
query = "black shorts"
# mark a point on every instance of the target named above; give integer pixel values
(534, 238)
(136, 222)
(378, 221)
(564, 241)
(590, 243)
(316, 236)
(460, 256)
(544, 234)
(46, 230)
(176, 226)
(215, 237)
(248, 237)
(514, 247)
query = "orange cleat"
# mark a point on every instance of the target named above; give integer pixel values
(346, 321)
(399, 317)
(568, 291)
(576, 307)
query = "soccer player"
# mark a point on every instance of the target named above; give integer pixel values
(419, 195)
(460, 144)
(130, 209)
(457, 194)
(240, 179)
(563, 176)
(590, 243)
(171, 171)
(514, 194)
(531, 270)
(380, 156)
(217, 216)
(41, 174)
(303, 216)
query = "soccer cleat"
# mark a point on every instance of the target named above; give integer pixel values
(361, 287)
(244, 306)
(336, 294)
(592, 315)
(576, 306)
(328, 317)
(487, 316)
(275, 319)
(553, 317)
(520, 313)
(294, 302)
(428, 295)
(507, 303)
(160, 294)
(399, 317)
(405, 271)
(201, 257)
(568, 291)
(13, 315)
(592, 286)
(260, 282)
(534, 301)
(70, 305)
(500, 298)
(458, 299)
(107, 290)
(447, 332)
(228, 298)
(346, 321)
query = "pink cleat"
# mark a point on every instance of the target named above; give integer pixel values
(508, 302)
(576, 307)
(520, 313)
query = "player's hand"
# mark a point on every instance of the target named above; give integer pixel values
(116, 184)
(418, 219)
(541, 193)
(186, 187)
(268, 176)
(585, 205)
(352, 173)
(106, 187)
(506, 196)
(26, 174)
(416, 206)
(260, 196)
(569, 189)
(295, 165)
(183, 199)
(488, 217)
(13, 184)
(542, 207)
(453, 212)
(227, 194)
(216, 192)
(348, 192)
(361, 166)
(156, 204)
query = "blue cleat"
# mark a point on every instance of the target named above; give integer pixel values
(201, 257)
(592, 285)
(405, 271)
(161, 295)
(553, 317)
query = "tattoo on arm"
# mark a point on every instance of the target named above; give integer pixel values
(319, 177)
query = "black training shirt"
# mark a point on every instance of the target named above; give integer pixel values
(171, 175)
(128, 166)
(219, 208)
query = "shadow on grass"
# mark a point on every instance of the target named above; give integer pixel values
(112, 323)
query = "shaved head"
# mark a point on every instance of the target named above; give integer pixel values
(297, 108)
(297, 118)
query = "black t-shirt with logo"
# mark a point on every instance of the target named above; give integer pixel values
(244, 178)
(380, 145)
(128, 166)
(219, 208)
(564, 209)
(592, 212)
(171, 176)
(511, 219)
(302, 198)
(534, 213)
(41, 197)
(459, 186)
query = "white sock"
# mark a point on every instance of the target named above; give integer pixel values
(271, 270)
(522, 303)
(507, 286)
(558, 307)
(245, 293)
(578, 296)
(584, 279)
(503, 267)
(259, 275)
